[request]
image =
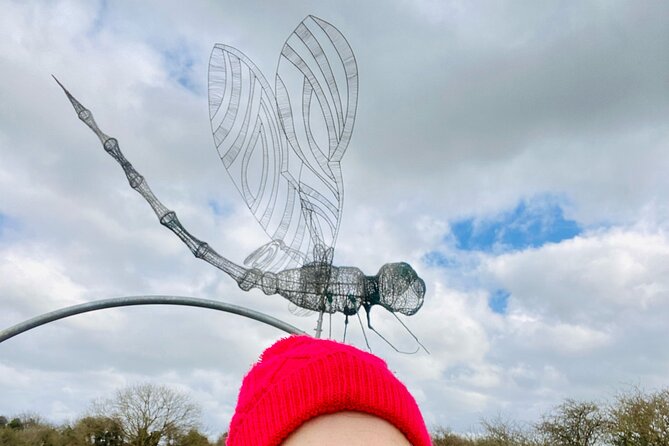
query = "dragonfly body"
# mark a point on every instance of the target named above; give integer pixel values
(342, 289)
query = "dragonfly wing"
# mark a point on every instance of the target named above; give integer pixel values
(317, 92)
(253, 147)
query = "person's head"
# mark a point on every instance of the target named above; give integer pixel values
(307, 391)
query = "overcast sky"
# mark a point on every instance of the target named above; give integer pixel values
(515, 153)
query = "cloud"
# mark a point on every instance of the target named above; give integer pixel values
(521, 100)
(599, 275)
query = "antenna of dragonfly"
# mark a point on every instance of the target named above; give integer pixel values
(392, 346)
(413, 335)
(369, 324)
(362, 327)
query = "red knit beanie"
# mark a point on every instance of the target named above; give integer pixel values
(300, 378)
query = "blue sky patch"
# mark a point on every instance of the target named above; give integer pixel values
(7, 223)
(532, 223)
(438, 259)
(219, 209)
(498, 301)
(179, 63)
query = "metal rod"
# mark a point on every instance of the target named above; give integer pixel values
(145, 300)
(319, 324)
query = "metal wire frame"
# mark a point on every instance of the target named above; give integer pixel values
(145, 300)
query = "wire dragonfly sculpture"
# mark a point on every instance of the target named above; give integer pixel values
(282, 149)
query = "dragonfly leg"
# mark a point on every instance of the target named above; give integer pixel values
(369, 324)
(345, 327)
(362, 327)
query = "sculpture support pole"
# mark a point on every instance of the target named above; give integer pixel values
(145, 300)
(319, 324)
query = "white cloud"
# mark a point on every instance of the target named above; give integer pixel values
(595, 276)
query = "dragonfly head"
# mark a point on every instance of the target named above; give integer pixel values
(400, 288)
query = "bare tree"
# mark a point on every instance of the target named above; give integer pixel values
(150, 414)
(501, 432)
(573, 423)
(638, 418)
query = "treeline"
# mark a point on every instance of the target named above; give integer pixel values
(139, 415)
(169, 418)
(633, 418)
(30, 430)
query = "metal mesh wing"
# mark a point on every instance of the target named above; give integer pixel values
(252, 145)
(283, 152)
(317, 93)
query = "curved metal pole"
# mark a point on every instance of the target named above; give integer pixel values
(145, 300)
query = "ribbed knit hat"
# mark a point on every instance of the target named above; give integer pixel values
(300, 378)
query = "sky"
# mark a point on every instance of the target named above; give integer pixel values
(515, 153)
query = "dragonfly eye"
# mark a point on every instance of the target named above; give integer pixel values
(400, 288)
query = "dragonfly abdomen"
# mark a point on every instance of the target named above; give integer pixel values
(255, 278)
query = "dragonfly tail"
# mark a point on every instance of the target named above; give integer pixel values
(167, 217)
